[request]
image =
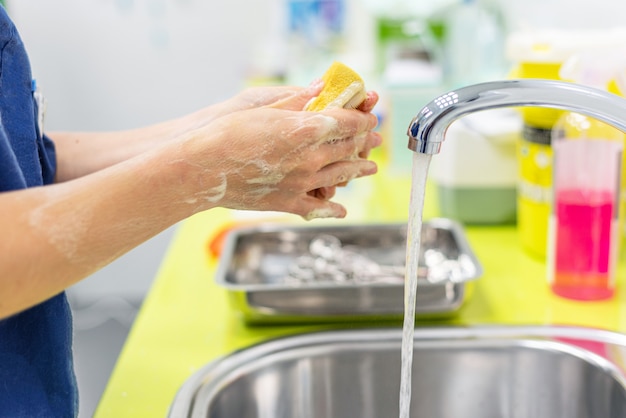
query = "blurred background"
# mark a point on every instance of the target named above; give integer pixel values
(117, 64)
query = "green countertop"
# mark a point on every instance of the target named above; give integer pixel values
(186, 322)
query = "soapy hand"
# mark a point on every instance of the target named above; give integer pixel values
(292, 98)
(283, 159)
(286, 97)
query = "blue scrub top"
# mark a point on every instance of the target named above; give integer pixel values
(36, 371)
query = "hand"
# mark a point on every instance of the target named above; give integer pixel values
(286, 97)
(294, 102)
(293, 98)
(273, 158)
(370, 102)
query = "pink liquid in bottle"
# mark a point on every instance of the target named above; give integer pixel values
(584, 223)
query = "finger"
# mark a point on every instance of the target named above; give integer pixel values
(272, 95)
(314, 129)
(348, 123)
(300, 96)
(375, 141)
(324, 193)
(254, 97)
(349, 148)
(313, 208)
(370, 102)
(342, 172)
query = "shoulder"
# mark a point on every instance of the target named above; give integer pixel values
(8, 32)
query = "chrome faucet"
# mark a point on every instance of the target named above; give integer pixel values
(427, 130)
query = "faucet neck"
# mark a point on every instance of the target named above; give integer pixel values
(427, 130)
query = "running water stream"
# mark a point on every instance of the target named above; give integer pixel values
(414, 234)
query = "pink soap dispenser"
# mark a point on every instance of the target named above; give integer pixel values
(584, 223)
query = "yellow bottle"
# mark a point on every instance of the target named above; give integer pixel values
(534, 188)
(537, 55)
(540, 54)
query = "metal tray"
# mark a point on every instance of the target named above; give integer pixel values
(286, 273)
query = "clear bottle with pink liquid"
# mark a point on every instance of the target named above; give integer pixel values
(584, 224)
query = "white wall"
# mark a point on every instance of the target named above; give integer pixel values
(108, 64)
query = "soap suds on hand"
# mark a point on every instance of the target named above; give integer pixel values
(321, 213)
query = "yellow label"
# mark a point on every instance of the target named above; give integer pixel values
(539, 117)
(534, 195)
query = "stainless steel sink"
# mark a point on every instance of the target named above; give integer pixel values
(537, 372)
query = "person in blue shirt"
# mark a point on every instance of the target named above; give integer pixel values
(72, 202)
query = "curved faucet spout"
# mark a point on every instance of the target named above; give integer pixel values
(427, 130)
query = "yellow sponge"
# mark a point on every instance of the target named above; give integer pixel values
(343, 87)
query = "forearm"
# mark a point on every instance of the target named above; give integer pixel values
(56, 235)
(83, 153)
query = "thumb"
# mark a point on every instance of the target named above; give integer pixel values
(316, 208)
(301, 97)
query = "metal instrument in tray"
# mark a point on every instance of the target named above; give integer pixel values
(287, 273)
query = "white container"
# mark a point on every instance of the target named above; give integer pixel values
(409, 85)
(476, 171)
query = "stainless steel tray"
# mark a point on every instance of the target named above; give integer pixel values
(286, 273)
